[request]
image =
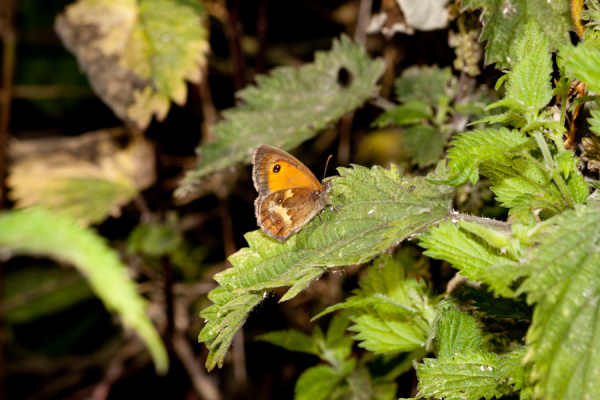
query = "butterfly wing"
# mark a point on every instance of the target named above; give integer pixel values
(285, 212)
(274, 170)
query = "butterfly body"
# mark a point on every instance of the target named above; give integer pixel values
(289, 194)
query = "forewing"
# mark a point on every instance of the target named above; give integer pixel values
(274, 170)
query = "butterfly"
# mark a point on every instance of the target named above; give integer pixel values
(289, 194)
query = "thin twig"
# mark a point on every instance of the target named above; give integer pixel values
(203, 385)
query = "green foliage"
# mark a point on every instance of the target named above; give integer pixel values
(528, 89)
(341, 378)
(464, 369)
(288, 107)
(425, 144)
(37, 232)
(525, 174)
(562, 280)
(391, 311)
(430, 85)
(504, 24)
(426, 93)
(584, 64)
(471, 149)
(466, 250)
(378, 209)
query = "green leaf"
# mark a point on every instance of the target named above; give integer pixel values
(338, 344)
(37, 232)
(594, 121)
(413, 112)
(137, 55)
(465, 250)
(291, 340)
(563, 281)
(463, 369)
(378, 209)
(424, 84)
(528, 89)
(584, 63)
(471, 149)
(317, 383)
(288, 107)
(504, 23)
(424, 144)
(522, 186)
(154, 239)
(516, 373)
(391, 311)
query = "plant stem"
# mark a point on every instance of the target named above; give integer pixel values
(556, 177)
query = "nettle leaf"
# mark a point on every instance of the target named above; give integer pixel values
(289, 106)
(463, 369)
(413, 112)
(516, 372)
(137, 55)
(424, 84)
(36, 232)
(425, 144)
(522, 186)
(528, 89)
(594, 120)
(584, 63)
(391, 311)
(378, 209)
(504, 23)
(564, 283)
(292, 340)
(465, 250)
(317, 383)
(471, 149)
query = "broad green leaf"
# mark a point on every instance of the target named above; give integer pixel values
(291, 340)
(413, 112)
(504, 23)
(471, 149)
(467, 376)
(338, 343)
(456, 332)
(564, 283)
(317, 383)
(378, 209)
(424, 84)
(584, 63)
(37, 232)
(137, 55)
(288, 107)
(424, 144)
(390, 311)
(528, 89)
(465, 250)
(463, 369)
(522, 186)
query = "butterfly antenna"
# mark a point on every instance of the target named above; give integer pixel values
(326, 164)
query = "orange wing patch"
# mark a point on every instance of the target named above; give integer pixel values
(284, 175)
